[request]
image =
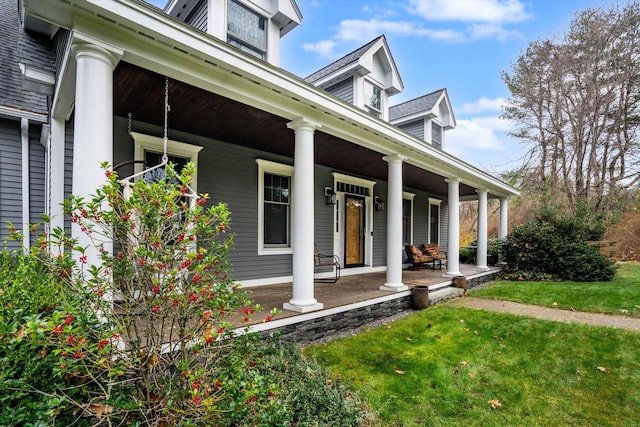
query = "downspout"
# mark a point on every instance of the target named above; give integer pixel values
(24, 126)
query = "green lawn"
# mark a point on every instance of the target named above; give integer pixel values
(444, 365)
(620, 296)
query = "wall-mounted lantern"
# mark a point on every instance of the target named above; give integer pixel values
(378, 203)
(330, 195)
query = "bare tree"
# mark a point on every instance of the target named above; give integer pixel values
(576, 103)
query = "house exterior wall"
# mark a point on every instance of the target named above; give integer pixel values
(68, 168)
(10, 177)
(380, 228)
(343, 90)
(37, 183)
(229, 174)
(414, 128)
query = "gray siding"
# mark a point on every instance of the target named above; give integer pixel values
(444, 229)
(229, 173)
(323, 231)
(198, 17)
(414, 128)
(380, 228)
(343, 90)
(68, 168)
(37, 182)
(10, 177)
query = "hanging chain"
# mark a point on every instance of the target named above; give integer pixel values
(129, 123)
(165, 158)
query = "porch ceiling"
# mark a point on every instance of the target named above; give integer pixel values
(193, 110)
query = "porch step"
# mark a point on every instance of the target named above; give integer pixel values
(444, 294)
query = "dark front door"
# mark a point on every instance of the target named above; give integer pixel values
(354, 231)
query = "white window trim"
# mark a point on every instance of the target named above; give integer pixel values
(409, 196)
(434, 202)
(143, 142)
(278, 169)
(366, 103)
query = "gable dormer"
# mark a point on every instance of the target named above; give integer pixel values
(425, 117)
(254, 26)
(366, 78)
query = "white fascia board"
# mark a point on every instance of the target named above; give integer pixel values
(17, 114)
(164, 45)
(352, 69)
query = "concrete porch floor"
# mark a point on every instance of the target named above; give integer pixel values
(349, 290)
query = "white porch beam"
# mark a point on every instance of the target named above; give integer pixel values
(303, 218)
(394, 226)
(453, 257)
(93, 126)
(481, 255)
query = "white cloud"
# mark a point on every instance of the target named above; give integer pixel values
(481, 105)
(496, 11)
(324, 48)
(478, 136)
(363, 31)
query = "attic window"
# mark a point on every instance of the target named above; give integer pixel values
(373, 99)
(436, 135)
(246, 29)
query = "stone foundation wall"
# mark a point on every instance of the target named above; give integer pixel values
(316, 329)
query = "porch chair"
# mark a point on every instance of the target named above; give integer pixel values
(433, 249)
(418, 259)
(322, 260)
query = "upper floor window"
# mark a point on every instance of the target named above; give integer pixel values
(436, 135)
(373, 99)
(246, 29)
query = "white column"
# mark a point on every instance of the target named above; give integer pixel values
(394, 226)
(453, 252)
(56, 173)
(481, 255)
(303, 218)
(504, 218)
(93, 127)
(504, 226)
(26, 235)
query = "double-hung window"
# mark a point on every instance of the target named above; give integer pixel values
(275, 190)
(246, 29)
(436, 135)
(373, 99)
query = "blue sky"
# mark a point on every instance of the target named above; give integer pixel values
(462, 45)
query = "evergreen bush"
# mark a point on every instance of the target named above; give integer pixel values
(561, 245)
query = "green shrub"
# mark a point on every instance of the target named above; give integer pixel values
(310, 396)
(558, 244)
(29, 377)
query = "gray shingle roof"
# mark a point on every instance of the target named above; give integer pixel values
(414, 106)
(19, 46)
(342, 62)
